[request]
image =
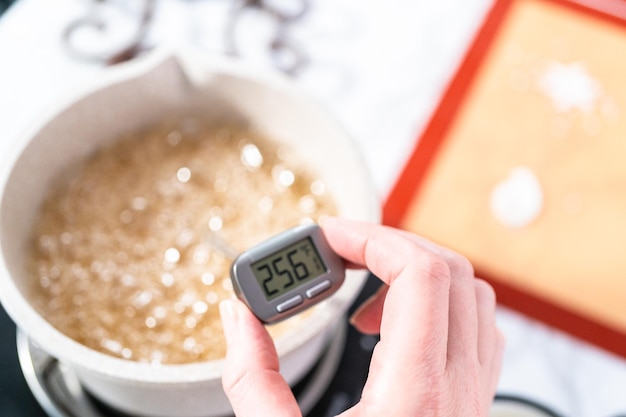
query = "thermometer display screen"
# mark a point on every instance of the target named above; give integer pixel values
(287, 273)
(288, 268)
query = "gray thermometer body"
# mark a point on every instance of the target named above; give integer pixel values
(287, 273)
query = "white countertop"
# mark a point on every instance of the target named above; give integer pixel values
(381, 68)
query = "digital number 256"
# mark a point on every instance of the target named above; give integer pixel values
(298, 269)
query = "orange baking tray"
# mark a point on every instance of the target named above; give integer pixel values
(541, 91)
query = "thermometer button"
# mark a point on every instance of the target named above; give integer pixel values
(290, 303)
(316, 290)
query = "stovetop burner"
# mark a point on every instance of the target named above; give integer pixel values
(58, 390)
(37, 385)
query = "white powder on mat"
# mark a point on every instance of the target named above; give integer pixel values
(517, 200)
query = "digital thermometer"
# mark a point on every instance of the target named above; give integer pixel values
(287, 273)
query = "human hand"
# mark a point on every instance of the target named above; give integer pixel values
(439, 352)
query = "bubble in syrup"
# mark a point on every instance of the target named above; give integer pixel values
(189, 343)
(318, 187)
(200, 255)
(129, 312)
(66, 238)
(183, 174)
(112, 345)
(207, 278)
(142, 299)
(126, 217)
(159, 312)
(174, 138)
(216, 223)
(127, 353)
(44, 281)
(187, 298)
(139, 203)
(167, 279)
(185, 237)
(128, 280)
(266, 204)
(307, 204)
(283, 176)
(200, 307)
(191, 322)
(172, 255)
(212, 298)
(47, 243)
(251, 156)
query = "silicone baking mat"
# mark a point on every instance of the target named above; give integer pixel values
(522, 167)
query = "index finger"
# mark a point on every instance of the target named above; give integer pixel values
(384, 251)
(414, 328)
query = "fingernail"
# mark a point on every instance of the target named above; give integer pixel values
(229, 319)
(354, 318)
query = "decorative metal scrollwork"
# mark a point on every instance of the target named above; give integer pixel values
(283, 52)
(95, 21)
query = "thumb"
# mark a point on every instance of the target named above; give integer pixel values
(251, 379)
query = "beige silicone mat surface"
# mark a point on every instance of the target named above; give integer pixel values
(549, 98)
